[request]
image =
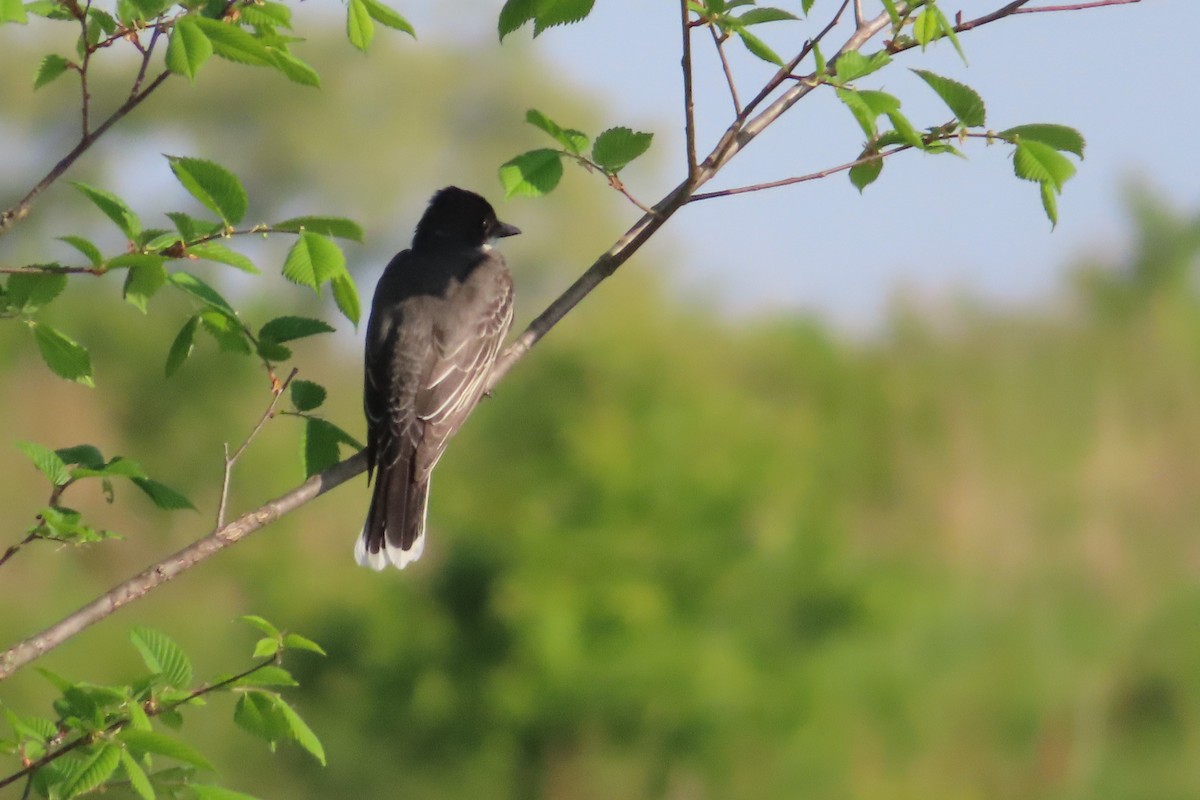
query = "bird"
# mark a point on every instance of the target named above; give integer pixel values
(440, 312)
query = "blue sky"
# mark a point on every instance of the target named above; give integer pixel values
(931, 227)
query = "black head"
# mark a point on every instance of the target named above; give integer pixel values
(458, 217)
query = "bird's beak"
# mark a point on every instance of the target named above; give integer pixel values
(504, 229)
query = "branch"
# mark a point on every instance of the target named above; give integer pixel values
(719, 41)
(812, 176)
(689, 106)
(21, 654)
(277, 392)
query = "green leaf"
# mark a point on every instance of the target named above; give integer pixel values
(926, 27)
(114, 208)
(136, 776)
(852, 65)
(162, 745)
(216, 187)
(181, 348)
(385, 15)
(757, 16)
(864, 174)
(905, 129)
(963, 101)
(514, 14)
(345, 294)
(48, 462)
(232, 43)
(191, 228)
(143, 281)
(228, 332)
(544, 14)
(65, 358)
(947, 28)
(257, 715)
(572, 140)
(330, 226)
(866, 107)
(85, 455)
(1060, 137)
(294, 641)
(890, 7)
(96, 770)
(84, 246)
(294, 69)
(265, 648)
(531, 174)
(1050, 202)
(299, 730)
(312, 260)
(163, 496)
(757, 47)
(287, 329)
(29, 291)
(360, 28)
(320, 446)
(51, 67)
(260, 623)
(202, 291)
(206, 791)
(162, 656)
(215, 251)
(806, 6)
(307, 395)
(616, 147)
(1038, 161)
(13, 11)
(188, 48)
(268, 13)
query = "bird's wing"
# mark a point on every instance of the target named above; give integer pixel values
(463, 355)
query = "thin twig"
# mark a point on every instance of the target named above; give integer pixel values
(83, 71)
(117, 726)
(719, 41)
(812, 176)
(230, 460)
(787, 69)
(12, 549)
(1075, 6)
(689, 106)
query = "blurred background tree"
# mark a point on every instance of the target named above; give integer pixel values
(677, 555)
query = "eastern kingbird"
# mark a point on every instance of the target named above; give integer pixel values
(440, 312)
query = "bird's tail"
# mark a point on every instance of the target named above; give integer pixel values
(395, 528)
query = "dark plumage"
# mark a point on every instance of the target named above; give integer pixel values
(440, 313)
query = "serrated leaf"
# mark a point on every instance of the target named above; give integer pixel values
(299, 731)
(267, 676)
(48, 462)
(1038, 161)
(947, 28)
(757, 16)
(853, 65)
(552, 13)
(265, 648)
(256, 714)
(65, 358)
(905, 130)
(287, 329)
(232, 43)
(202, 291)
(360, 28)
(312, 260)
(142, 282)
(345, 294)
(228, 332)
(1050, 202)
(531, 174)
(386, 15)
(188, 48)
(13, 11)
(162, 745)
(215, 251)
(267, 13)
(926, 27)
(96, 770)
(860, 109)
(962, 100)
(136, 776)
(181, 347)
(294, 641)
(84, 246)
(572, 140)
(758, 47)
(294, 69)
(616, 147)
(191, 228)
(320, 446)
(214, 186)
(208, 792)
(163, 496)
(307, 395)
(85, 455)
(260, 623)
(514, 14)
(339, 227)
(162, 656)
(1060, 137)
(864, 174)
(51, 67)
(29, 291)
(114, 208)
